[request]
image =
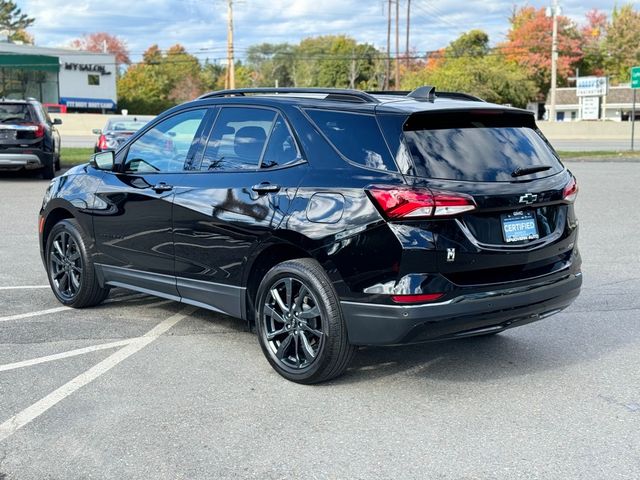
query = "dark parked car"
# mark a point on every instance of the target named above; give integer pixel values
(28, 138)
(326, 218)
(117, 131)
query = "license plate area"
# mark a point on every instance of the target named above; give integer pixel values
(519, 226)
(7, 135)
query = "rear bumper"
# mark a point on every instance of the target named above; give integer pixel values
(17, 160)
(376, 324)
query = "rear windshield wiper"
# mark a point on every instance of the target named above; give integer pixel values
(520, 171)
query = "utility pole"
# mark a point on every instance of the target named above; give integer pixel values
(406, 50)
(230, 80)
(554, 60)
(397, 80)
(388, 69)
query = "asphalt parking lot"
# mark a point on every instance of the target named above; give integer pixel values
(143, 388)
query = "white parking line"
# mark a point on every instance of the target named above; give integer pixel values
(67, 354)
(37, 313)
(27, 415)
(24, 287)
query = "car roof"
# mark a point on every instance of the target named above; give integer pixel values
(355, 100)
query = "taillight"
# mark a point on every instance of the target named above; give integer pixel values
(417, 298)
(570, 192)
(36, 128)
(404, 202)
(102, 143)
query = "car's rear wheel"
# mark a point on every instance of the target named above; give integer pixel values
(49, 170)
(69, 266)
(300, 325)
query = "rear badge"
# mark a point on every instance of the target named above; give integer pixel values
(529, 198)
(451, 254)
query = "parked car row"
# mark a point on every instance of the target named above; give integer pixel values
(118, 130)
(29, 139)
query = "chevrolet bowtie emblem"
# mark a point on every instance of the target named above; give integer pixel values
(529, 198)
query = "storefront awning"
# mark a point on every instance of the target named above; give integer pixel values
(89, 103)
(42, 63)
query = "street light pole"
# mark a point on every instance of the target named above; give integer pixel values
(554, 61)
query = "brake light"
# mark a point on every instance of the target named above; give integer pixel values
(419, 298)
(102, 142)
(36, 128)
(407, 203)
(570, 192)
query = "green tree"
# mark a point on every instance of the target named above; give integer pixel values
(161, 80)
(468, 66)
(272, 63)
(623, 42)
(474, 43)
(13, 20)
(335, 61)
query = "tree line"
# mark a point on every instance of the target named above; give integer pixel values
(515, 71)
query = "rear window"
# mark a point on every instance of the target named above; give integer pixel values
(356, 136)
(15, 112)
(477, 146)
(121, 126)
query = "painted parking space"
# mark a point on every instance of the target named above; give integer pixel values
(200, 401)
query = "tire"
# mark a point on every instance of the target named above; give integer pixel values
(302, 333)
(57, 163)
(49, 170)
(69, 266)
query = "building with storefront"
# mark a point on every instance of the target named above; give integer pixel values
(616, 105)
(83, 81)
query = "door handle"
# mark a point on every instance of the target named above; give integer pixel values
(265, 187)
(162, 187)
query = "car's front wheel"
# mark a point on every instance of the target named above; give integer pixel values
(300, 325)
(70, 268)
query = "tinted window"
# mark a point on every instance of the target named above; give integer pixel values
(237, 139)
(165, 147)
(15, 112)
(477, 147)
(355, 136)
(281, 148)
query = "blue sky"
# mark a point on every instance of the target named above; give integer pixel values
(201, 25)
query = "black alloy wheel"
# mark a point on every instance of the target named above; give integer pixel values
(65, 265)
(300, 324)
(292, 323)
(70, 268)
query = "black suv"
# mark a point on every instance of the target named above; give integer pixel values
(28, 138)
(326, 218)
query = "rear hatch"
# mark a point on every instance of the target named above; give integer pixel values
(506, 200)
(19, 126)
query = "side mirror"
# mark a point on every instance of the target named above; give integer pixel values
(96, 131)
(103, 160)
(57, 121)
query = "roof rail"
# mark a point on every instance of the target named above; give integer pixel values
(438, 94)
(337, 94)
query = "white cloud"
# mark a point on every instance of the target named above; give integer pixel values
(200, 24)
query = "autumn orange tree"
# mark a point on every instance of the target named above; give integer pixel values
(104, 42)
(529, 44)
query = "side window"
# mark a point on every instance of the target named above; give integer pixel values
(281, 148)
(167, 146)
(237, 139)
(356, 136)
